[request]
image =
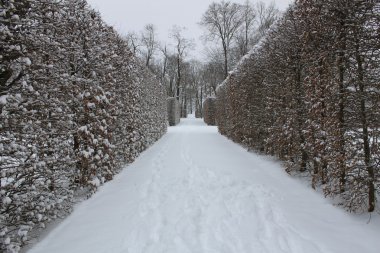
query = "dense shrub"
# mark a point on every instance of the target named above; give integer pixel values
(209, 111)
(174, 111)
(76, 106)
(309, 94)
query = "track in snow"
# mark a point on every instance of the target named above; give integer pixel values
(195, 191)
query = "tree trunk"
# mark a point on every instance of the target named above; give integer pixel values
(179, 77)
(191, 103)
(300, 113)
(341, 125)
(225, 60)
(365, 135)
(201, 104)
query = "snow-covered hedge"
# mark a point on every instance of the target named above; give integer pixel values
(174, 111)
(76, 106)
(309, 94)
(209, 111)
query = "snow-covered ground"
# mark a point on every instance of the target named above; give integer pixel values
(195, 191)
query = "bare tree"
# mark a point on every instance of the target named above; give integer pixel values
(181, 45)
(148, 41)
(249, 20)
(222, 20)
(133, 42)
(266, 15)
(165, 56)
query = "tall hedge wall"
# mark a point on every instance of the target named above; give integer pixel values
(76, 106)
(309, 93)
(209, 111)
(174, 111)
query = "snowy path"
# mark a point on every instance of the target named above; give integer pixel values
(195, 191)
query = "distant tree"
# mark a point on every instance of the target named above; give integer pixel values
(149, 43)
(172, 75)
(165, 56)
(133, 42)
(181, 45)
(212, 76)
(266, 16)
(238, 27)
(222, 21)
(244, 35)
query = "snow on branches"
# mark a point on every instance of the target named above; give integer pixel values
(75, 107)
(309, 94)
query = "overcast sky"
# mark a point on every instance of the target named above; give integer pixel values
(133, 15)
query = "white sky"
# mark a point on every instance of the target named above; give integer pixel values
(133, 15)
